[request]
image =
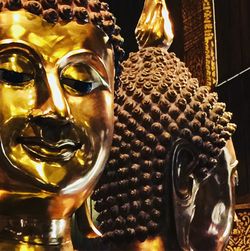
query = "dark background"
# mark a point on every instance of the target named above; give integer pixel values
(233, 41)
(233, 36)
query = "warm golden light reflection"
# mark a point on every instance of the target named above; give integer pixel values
(55, 174)
(168, 31)
(25, 248)
(40, 171)
(11, 100)
(17, 31)
(154, 244)
(51, 174)
(56, 93)
(80, 156)
(43, 195)
(38, 40)
(154, 27)
(109, 100)
(14, 62)
(16, 17)
(47, 43)
(80, 72)
(54, 143)
(18, 155)
(59, 53)
(88, 209)
(21, 247)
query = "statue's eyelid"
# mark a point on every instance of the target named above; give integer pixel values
(25, 49)
(17, 62)
(85, 57)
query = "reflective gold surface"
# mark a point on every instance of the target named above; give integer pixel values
(211, 63)
(154, 27)
(199, 35)
(56, 115)
(35, 234)
(152, 244)
(240, 236)
(8, 246)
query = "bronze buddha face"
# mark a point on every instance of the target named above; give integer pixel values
(57, 75)
(170, 179)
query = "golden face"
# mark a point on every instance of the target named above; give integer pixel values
(56, 101)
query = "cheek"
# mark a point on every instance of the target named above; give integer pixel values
(16, 102)
(93, 111)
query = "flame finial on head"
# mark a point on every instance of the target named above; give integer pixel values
(154, 27)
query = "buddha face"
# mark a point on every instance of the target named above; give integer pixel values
(172, 165)
(56, 104)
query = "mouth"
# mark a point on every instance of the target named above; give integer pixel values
(39, 148)
(52, 139)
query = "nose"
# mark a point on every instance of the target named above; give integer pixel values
(49, 121)
(55, 102)
(51, 127)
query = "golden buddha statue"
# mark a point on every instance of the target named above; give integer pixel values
(169, 182)
(57, 74)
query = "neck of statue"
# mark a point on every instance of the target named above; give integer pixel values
(157, 243)
(34, 234)
(162, 242)
(15, 246)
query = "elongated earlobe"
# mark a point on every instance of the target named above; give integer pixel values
(183, 164)
(184, 187)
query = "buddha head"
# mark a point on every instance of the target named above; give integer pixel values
(57, 74)
(169, 182)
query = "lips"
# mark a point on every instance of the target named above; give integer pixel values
(51, 138)
(61, 150)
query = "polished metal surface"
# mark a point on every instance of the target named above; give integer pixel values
(154, 27)
(56, 118)
(202, 221)
(35, 234)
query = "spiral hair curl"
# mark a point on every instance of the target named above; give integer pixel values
(157, 103)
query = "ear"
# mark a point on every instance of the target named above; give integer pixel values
(184, 188)
(184, 161)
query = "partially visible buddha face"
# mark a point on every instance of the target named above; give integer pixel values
(56, 99)
(171, 174)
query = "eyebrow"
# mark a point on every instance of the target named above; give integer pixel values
(8, 44)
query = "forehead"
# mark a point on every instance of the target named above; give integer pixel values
(51, 41)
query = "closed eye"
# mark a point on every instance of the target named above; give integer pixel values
(80, 79)
(77, 87)
(14, 78)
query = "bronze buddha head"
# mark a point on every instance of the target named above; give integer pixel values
(171, 173)
(57, 74)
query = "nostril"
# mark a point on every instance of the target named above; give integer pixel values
(50, 127)
(49, 121)
(50, 134)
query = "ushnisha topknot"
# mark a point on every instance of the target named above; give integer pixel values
(81, 11)
(156, 103)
